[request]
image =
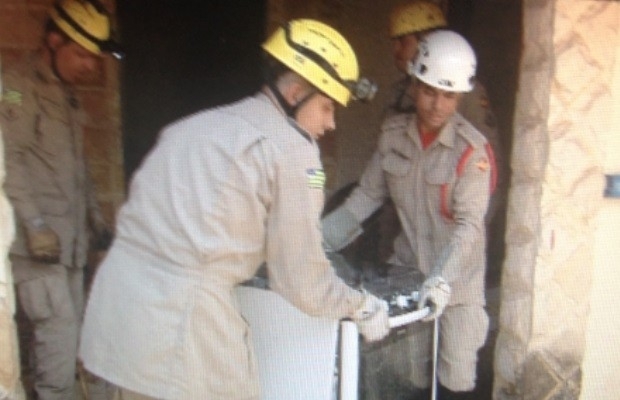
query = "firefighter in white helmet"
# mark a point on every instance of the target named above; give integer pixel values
(49, 186)
(438, 171)
(224, 191)
(409, 22)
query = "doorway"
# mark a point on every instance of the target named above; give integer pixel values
(181, 57)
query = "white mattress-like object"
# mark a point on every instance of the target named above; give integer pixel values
(296, 353)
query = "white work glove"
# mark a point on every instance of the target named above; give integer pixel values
(340, 228)
(372, 318)
(435, 293)
(43, 242)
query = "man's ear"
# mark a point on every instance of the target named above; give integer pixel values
(294, 92)
(55, 40)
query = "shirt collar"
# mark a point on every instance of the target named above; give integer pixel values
(447, 135)
(43, 71)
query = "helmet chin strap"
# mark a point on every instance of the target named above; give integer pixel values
(54, 62)
(291, 110)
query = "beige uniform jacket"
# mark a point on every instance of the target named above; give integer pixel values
(46, 170)
(222, 192)
(9, 357)
(440, 197)
(476, 108)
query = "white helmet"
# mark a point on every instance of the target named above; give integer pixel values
(445, 61)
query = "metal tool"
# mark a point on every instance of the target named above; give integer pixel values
(349, 343)
(435, 354)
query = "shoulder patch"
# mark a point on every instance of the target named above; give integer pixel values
(316, 178)
(396, 122)
(467, 131)
(12, 97)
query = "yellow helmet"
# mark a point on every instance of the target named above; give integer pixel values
(87, 23)
(415, 17)
(319, 54)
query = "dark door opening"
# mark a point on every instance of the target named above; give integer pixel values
(183, 56)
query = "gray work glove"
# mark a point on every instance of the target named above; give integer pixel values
(340, 228)
(372, 319)
(435, 293)
(43, 242)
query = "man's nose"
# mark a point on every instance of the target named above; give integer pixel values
(331, 124)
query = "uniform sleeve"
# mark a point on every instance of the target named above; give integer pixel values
(297, 265)
(371, 192)
(18, 118)
(470, 202)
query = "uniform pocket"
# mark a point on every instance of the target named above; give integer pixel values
(46, 297)
(439, 187)
(396, 164)
(439, 175)
(34, 300)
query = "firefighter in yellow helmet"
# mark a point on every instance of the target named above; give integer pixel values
(224, 191)
(48, 184)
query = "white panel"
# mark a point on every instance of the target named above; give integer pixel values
(296, 353)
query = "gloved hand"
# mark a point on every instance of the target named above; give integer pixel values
(43, 242)
(435, 293)
(372, 319)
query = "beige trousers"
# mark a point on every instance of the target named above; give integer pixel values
(462, 332)
(51, 296)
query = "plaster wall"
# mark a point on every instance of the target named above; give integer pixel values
(564, 107)
(602, 356)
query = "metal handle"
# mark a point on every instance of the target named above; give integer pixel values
(406, 319)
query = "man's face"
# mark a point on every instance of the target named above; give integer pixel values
(74, 63)
(404, 50)
(434, 106)
(317, 115)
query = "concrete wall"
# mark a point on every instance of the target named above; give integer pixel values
(601, 366)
